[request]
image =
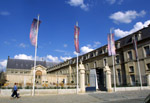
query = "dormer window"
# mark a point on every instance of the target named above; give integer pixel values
(118, 44)
(96, 53)
(130, 40)
(137, 36)
(91, 54)
(100, 51)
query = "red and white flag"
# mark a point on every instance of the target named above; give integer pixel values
(33, 31)
(76, 38)
(111, 45)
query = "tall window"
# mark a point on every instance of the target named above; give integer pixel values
(95, 65)
(131, 69)
(105, 61)
(129, 55)
(148, 66)
(117, 59)
(147, 51)
(119, 76)
(132, 77)
(87, 66)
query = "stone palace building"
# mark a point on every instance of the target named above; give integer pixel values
(126, 65)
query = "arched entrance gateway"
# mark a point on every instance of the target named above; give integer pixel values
(38, 77)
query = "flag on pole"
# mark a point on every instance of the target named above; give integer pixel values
(135, 48)
(76, 38)
(111, 45)
(34, 31)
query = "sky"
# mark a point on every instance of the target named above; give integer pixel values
(56, 32)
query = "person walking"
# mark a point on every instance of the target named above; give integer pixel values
(14, 91)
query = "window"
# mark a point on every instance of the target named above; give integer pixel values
(147, 51)
(148, 66)
(119, 76)
(39, 77)
(129, 55)
(87, 67)
(131, 69)
(25, 72)
(117, 59)
(105, 61)
(95, 65)
(118, 44)
(129, 40)
(100, 51)
(132, 79)
(91, 55)
(96, 52)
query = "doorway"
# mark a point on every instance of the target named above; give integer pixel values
(38, 77)
(101, 79)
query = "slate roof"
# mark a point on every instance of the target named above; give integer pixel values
(145, 33)
(26, 64)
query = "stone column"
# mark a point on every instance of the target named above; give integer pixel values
(108, 79)
(82, 78)
(148, 79)
(70, 71)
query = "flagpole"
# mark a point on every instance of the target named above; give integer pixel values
(77, 73)
(137, 58)
(113, 66)
(114, 74)
(33, 88)
(139, 73)
(77, 66)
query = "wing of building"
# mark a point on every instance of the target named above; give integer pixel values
(21, 72)
(126, 66)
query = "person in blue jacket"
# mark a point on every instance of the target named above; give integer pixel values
(15, 89)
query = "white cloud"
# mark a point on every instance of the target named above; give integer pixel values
(4, 13)
(111, 1)
(6, 42)
(23, 56)
(3, 65)
(137, 26)
(53, 59)
(96, 44)
(114, 1)
(86, 49)
(65, 58)
(22, 45)
(79, 3)
(65, 45)
(126, 17)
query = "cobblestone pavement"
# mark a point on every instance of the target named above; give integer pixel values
(97, 97)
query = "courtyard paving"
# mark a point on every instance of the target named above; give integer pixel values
(96, 97)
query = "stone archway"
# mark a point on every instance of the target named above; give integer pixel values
(38, 77)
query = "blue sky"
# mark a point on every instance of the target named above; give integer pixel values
(56, 32)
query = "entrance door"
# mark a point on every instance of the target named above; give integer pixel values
(38, 77)
(100, 79)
